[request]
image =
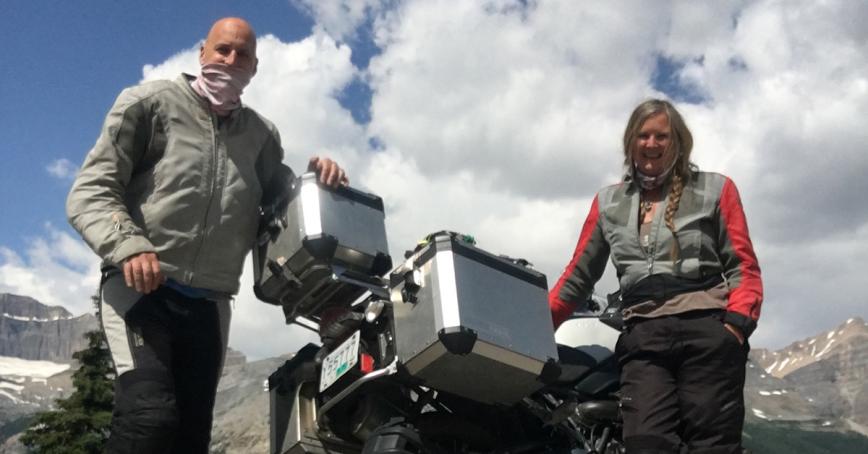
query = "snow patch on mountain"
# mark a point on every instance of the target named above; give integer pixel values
(36, 319)
(759, 413)
(34, 369)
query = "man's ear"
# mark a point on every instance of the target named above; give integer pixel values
(201, 54)
(255, 66)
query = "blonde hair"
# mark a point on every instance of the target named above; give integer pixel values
(681, 141)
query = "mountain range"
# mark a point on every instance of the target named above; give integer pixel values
(808, 397)
(821, 380)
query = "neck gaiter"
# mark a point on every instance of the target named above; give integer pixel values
(647, 182)
(222, 85)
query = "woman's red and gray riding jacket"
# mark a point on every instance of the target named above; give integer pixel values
(712, 237)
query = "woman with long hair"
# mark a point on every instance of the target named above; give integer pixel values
(690, 289)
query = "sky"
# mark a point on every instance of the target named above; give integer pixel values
(497, 118)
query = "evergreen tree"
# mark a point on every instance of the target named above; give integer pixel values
(80, 425)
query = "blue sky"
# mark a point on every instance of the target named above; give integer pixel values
(498, 118)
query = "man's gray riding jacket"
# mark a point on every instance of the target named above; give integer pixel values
(166, 176)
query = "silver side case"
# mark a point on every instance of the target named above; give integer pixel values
(472, 324)
(318, 246)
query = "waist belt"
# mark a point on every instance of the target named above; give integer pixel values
(662, 287)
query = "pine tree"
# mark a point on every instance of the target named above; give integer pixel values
(80, 424)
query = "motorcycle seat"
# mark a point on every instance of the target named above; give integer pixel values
(598, 411)
(590, 369)
(574, 364)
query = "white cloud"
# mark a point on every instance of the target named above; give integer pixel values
(185, 61)
(63, 169)
(524, 99)
(341, 18)
(56, 269)
(296, 88)
(812, 287)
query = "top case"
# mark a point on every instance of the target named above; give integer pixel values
(319, 247)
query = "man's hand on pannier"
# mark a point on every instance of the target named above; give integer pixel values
(142, 272)
(735, 332)
(330, 173)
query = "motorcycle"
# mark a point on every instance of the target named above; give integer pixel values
(451, 351)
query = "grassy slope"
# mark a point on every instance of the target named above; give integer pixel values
(781, 438)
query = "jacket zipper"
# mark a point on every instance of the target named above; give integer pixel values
(213, 176)
(654, 230)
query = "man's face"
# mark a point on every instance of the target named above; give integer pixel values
(230, 42)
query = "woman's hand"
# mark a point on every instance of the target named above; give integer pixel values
(735, 332)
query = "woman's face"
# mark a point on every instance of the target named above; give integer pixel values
(652, 149)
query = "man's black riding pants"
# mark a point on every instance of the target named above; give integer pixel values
(168, 350)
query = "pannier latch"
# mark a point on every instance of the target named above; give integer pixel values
(412, 284)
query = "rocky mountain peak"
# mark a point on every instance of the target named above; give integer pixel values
(27, 308)
(820, 377)
(808, 351)
(34, 331)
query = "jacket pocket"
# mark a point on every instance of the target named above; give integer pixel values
(689, 245)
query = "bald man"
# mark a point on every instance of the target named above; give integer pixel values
(169, 198)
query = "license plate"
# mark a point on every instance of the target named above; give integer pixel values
(339, 362)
